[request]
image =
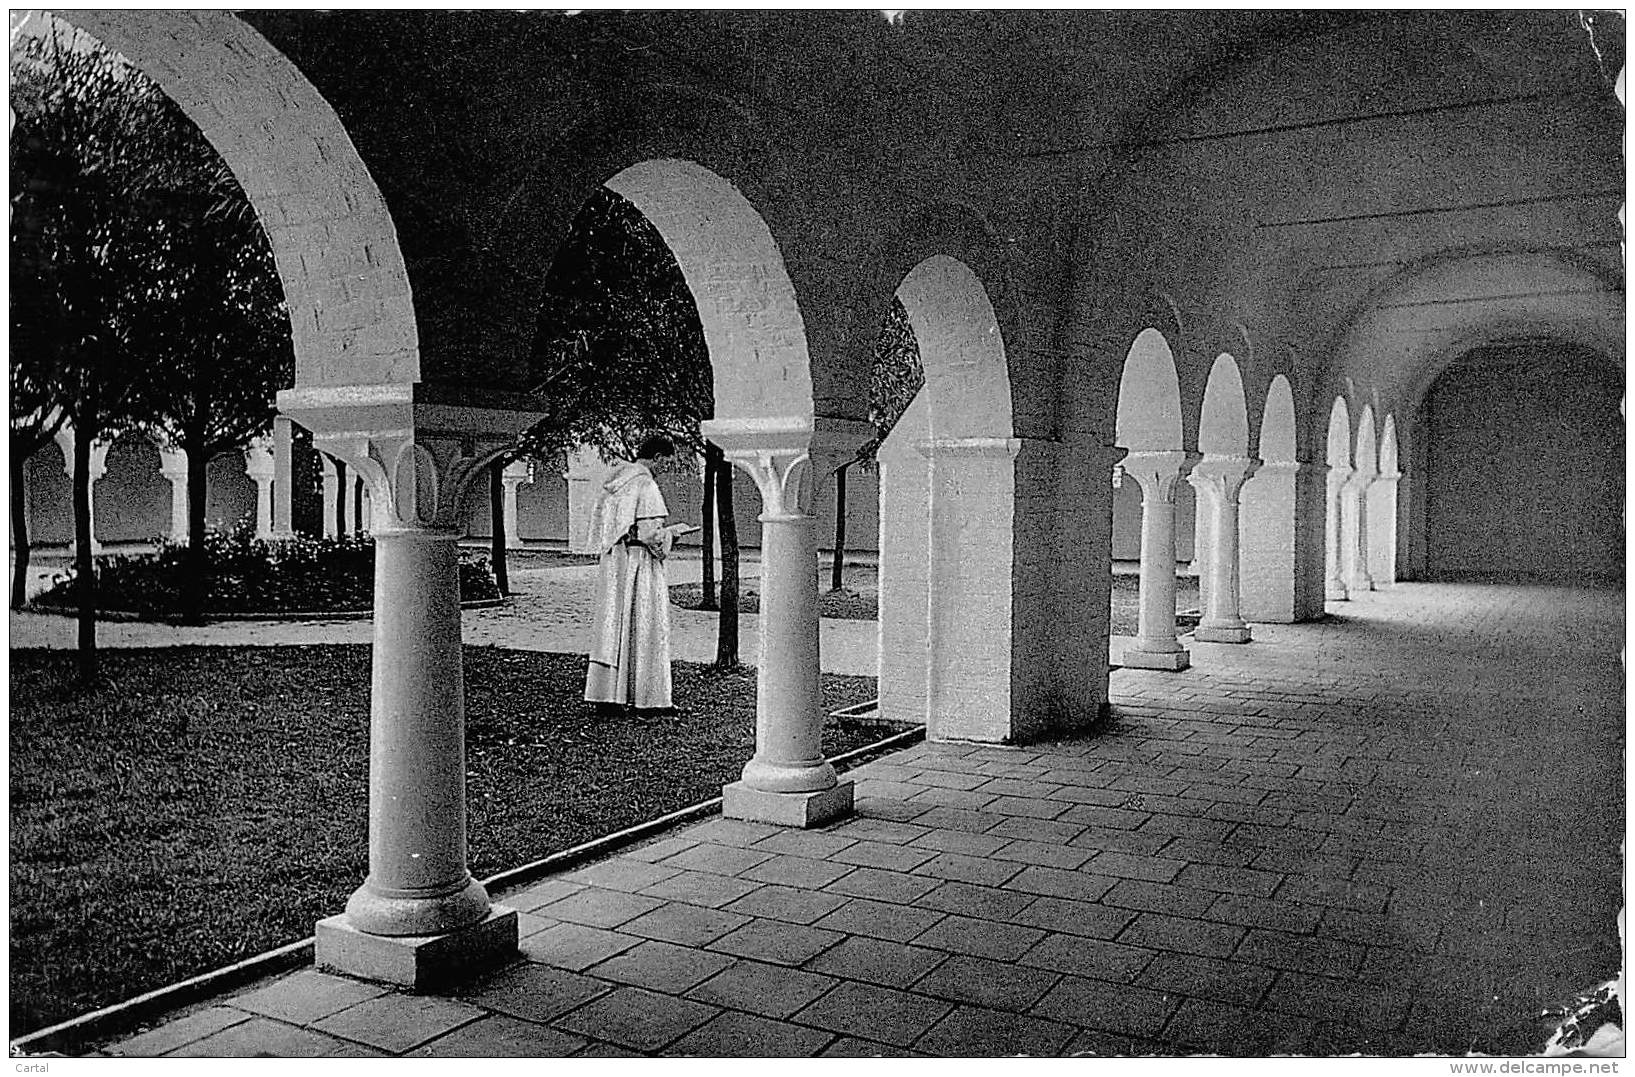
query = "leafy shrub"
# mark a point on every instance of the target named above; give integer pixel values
(252, 575)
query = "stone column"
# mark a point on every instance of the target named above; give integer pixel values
(283, 451)
(332, 494)
(173, 466)
(1155, 646)
(788, 782)
(585, 474)
(99, 467)
(968, 667)
(1219, 482)
(419, 918)
(1382, 524)
(1354, 533)
(1334, 533)
(512, 476)
(261, 466)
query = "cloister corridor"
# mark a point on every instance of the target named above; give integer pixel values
(1392, 831)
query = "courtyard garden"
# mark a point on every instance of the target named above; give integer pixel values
(199, 805)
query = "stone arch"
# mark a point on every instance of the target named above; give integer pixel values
(352, 316)
(1277, 426)
(1515, 464)
(1366, 460)
(1338, 459)
(1149, 397)
(1339, 434)
(1149, 424)
(133, 499)
(947, 518)
(1383, 509)
(746, 301)
(1223, 432)
(1388, 445)
(49, 498)
(1269, 569)
(1223, 426)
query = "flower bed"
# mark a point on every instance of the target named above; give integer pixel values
(247, 576)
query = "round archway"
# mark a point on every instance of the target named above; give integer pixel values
(1520, 449)
(1269, 568)
(947, 497)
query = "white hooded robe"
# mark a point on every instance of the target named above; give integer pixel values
(630, 642)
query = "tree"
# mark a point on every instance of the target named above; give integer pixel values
(80, 167)
(35, 418)
(620, 353)
(896, 377)
(210, 324)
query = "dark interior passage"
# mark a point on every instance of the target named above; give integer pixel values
(1524, 465)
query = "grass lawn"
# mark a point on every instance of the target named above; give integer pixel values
(859, 600)
(204, 804)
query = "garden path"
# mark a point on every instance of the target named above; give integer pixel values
(549, 611)
(1395, 831)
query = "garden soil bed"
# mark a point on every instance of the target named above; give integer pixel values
(204, 804)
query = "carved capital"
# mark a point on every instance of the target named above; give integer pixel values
(258, 460)
(1159, 472)
(1222, 477)
(770, 451)
(415, 483)
(173, 465)
(416, 447)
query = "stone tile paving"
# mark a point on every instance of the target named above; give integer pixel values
(1395, 832)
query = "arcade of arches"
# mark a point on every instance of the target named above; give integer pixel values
(1330, 293)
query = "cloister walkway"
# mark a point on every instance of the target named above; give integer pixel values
(1393, 832)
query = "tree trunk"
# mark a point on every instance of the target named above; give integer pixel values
(712, 464)
(84, 563)
(496, 528)
(198, 566)
(19, 530)
(726, 641)
(836, 573)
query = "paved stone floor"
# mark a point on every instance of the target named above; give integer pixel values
(1393, 832)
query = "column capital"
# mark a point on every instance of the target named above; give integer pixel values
(771, 451)
(173, 464)
(518, 472)
(64, 437)
(1159, 472)
(417, 446)
(1359, 481)
(258, 460)
(1222, 475)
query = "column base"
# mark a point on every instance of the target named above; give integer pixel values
(417, 962)
(1174, 661)
(1221, 634)
(805, 810)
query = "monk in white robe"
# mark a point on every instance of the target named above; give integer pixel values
(630, 644)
